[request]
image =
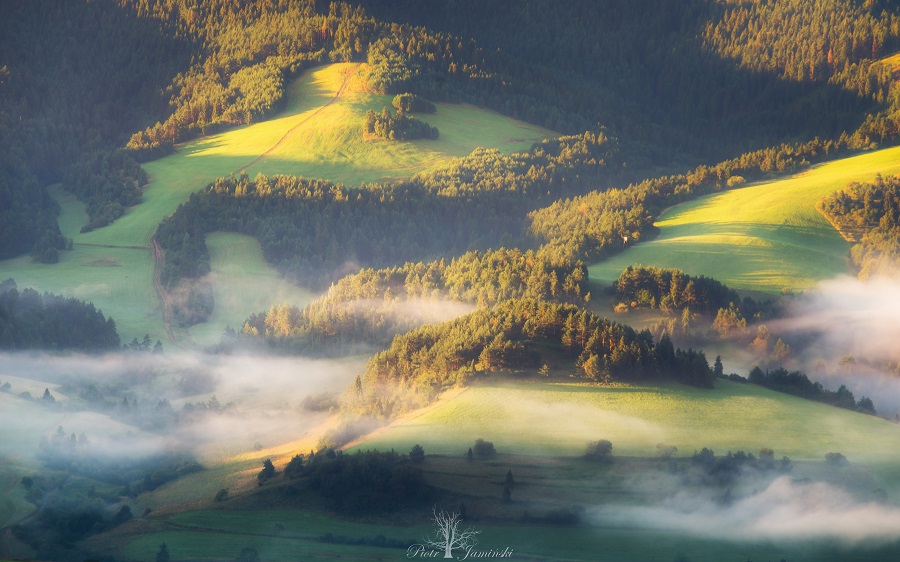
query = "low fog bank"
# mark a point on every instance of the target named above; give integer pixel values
(850, 331)
(784, 510)
(134, 403)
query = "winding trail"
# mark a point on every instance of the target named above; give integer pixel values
(281, 141)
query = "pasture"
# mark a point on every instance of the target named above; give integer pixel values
(317, 134)
(764, 237)
(558, 419)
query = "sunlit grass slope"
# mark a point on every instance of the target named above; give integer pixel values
(560, 419)
(763, 237)
(318, 134)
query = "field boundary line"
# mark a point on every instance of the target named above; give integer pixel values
(110, 246)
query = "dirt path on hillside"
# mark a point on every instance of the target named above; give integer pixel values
(282, 140)
(159, 257)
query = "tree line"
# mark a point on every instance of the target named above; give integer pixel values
(372, 306)
(514, 336)
(869, 215)
(672, 290)
(31, 320)
(309, 229)
(798, 384)
(397, 126)
(351, 483)
(593, 226)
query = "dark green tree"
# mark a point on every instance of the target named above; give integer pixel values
(417, 454)
(267, 472)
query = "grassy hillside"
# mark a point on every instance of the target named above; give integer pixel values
(764, 237)
(534, 427)
(318, 134)
(559, 419)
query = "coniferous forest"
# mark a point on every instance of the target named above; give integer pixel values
(469, 296)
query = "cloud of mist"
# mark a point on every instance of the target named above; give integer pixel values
(784, 510)
(260, 397)
(847, 318)
(414, 311)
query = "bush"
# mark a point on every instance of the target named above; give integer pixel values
(484, 448)
(599, 450)
(411, 103)
(417, 454)
(836, 459)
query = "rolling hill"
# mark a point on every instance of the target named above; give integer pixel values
(764, 237)
(318, 134)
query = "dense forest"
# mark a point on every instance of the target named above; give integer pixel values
(310, 229)
(798, 384)
(482, 201)
(869, 215)
(672, 290)
(372, 306)
(397, 126)
(516, 335)
(76, 78)
(669, 77)
(30, 320)
(673, 81)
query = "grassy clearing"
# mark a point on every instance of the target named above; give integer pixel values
(330, 143)
(243, 283)
(13, 506)
(318, 134)
(559, 419)
(119, 281)
(763, 237)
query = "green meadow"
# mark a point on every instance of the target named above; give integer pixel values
(764, 237)
(281, 534)
(559, 419)
(317, 134)
(243, 283)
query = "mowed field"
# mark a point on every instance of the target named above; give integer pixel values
(318, 134)
(765, 237)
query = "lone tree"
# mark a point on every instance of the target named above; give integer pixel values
(836, 459)
(599, 450)
(267, 472)
(162, 555)
(417, 454)
(484, 448)
(247, 555)
(448, 535)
